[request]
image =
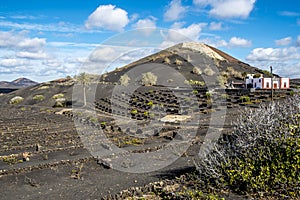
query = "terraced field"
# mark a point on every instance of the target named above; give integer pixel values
(43, 154)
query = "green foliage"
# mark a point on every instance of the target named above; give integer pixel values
(195, 92)
(38, 97)
(194, 82)
(208, 95)
(268, 73)
(257, 76)
(261, 157)
(16, 100)
(134, 111)
(150, 103)
(245, 99)
(58, 96)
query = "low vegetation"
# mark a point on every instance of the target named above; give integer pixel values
(208, 71)
(261, 157)
(58, 96)
(38, 97)
(197, 70)
(124, 80)
(16, 100)
(149, 79)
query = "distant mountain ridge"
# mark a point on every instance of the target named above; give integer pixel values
(18, 83)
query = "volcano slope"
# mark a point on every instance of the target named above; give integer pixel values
(52, 152)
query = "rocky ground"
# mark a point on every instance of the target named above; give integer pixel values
(43, 155)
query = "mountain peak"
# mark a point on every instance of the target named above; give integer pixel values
(20, 82)
(202, 48)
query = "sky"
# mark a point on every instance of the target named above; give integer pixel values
(50, 39)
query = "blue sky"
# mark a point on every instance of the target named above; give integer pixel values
(49, 39)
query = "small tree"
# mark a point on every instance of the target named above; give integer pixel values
(84, 79)
(124, 80)
(197, 70)
(149, 79)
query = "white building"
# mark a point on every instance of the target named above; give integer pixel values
(266, 83)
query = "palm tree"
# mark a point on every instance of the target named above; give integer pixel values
(84, 79)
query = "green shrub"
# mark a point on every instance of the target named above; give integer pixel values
(16, 100)
(245, 99)
(38, 97)
(134, 111)
(208, 95)
(261, 157)
(58, 96)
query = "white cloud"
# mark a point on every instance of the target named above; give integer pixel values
(284, 41)
(148, 25)
(175, 11)
(32, 45)
(289, 13)
(102, 55)
(55, 27)
(298, 22)
(215, 26)
(108, 17)
(40, 55)
(178, 34)
(18, 41)
(239, 42)
(12, 62)
(274, 54)
(228, 8)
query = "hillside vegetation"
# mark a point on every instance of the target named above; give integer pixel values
(262, 155)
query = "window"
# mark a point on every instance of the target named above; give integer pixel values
(284, 85)
(259, 80)
(268, 84)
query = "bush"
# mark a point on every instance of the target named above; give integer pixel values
(261, 157)
(178, 62)
(245, 99)
(124, 80)
(167, 60)
(222, 81)
(235, 73)
(197, 70)
(38, 97)
(208, 71)
(16, 100)
(149, 79)
(58, 96)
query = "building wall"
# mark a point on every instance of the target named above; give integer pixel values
(268, 83)
(285, 83)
